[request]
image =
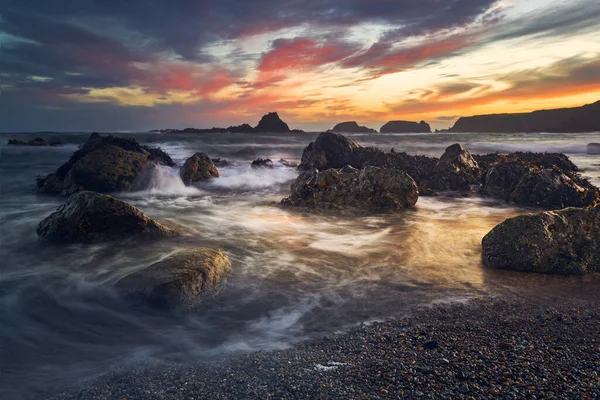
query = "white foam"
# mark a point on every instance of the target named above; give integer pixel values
(164, 181)
(245, 177)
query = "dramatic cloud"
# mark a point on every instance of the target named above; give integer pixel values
(72, 64)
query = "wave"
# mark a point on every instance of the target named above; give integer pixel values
(245, 177)
(163, 181)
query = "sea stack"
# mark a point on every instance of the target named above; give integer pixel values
(405, 127)
(352, 127)
(271, 123)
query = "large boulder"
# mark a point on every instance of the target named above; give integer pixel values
(540, 160)
(564, 242)
(551, 188)
(593, 148)
(348, 187)
(405, 127)
(329, 150)
(103, 164)
(456, 170)
(271, 123)
(180, 281)
(90, 217)
(197, 168)
(352, 127)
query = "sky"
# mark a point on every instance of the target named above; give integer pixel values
(129, 65)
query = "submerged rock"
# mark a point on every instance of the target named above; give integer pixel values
(197, 168)
(262, 163)
(90, 216)
(287, 163)
(182, 280)
(405, 127)
(33, 142)
(348, 187)
(219, 162)
(593, 148)
(271, 123)
(245, 152)
(564, 242)
(352, 127)
(456, 170)
(103, 164)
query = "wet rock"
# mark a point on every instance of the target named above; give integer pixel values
(564, 242)
(528, 185)
(103, 164)
(262, 163)
(368, 188)
(405, 127)
(219, 162)
(329, 150)
(245, 152)
(90, 217)
(540, 160)
(593, 148)
(271, 123)
(197, 168)
(32, 142)
(181, 281)
(352, 127)
(456, 170)
(287, 163)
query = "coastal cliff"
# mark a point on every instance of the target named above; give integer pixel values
(577, 119)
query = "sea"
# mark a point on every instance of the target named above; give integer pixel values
(296, 275)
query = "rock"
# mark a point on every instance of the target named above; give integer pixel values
(245, 152)
(103, 164)
(181, 281)
(521, 183)
(352, 127)
(262, 163)
(541, 160)
(90, 217)
(593, 148)
(369, 188)
(220, 162)
(271, 123)
(197, 168)
(329, 150)
(33, 142)
(576, 119)
(564, 242)
(430, 345)
(405, 127)
(244, 128)
(456, 170)
(288, 164)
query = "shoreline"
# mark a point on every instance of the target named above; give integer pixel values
(482, 348)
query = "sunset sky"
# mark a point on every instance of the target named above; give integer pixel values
(106, 65)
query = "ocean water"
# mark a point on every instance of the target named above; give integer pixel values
(295, 275)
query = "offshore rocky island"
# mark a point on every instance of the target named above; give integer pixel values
(560, 235)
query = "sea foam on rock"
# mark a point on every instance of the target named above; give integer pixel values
(181, 281)
(103, 164)
(348, 187)
(197, 168)
(90, 217)
(564, 242)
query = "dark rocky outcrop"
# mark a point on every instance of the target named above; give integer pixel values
(405, 127)
(332, 150)
(219, 162)
(89, 217)
(514, 180)
(181, 281)
(271, 123)
(348, 187)
(577, 119)
(562, 242)
(593, 148)
(456, 170)
(39, 142)
(540, 160)
(352, 127)
(287, 163)
(103, 164)
(197, 168)
(262, 163)
(245, 152)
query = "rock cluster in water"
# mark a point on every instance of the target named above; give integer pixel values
(37, 142)
(352, 127)
(197, 168)
(103, 164)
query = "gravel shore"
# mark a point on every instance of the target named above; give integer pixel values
(480, 349)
